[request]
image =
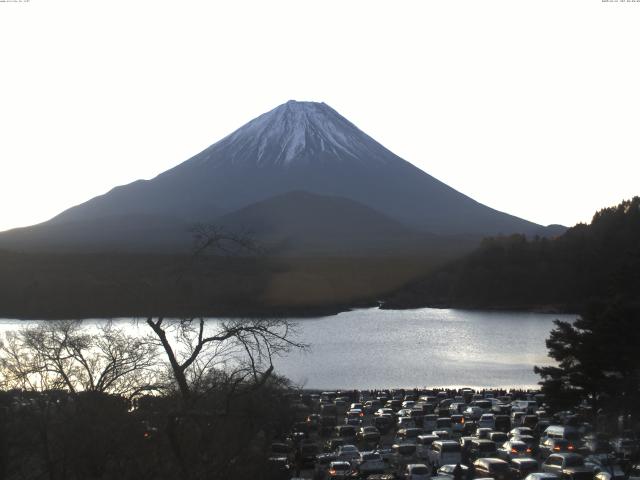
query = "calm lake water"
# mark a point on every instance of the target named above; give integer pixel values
(373, 348)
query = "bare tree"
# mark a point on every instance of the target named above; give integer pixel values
(62, 355)
(242, 350)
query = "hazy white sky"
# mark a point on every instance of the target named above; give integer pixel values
(531, 107)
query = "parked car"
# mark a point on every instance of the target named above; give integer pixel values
(514, 449)
(487, 420)
(481, 448)
(567, 465)
(529, 440)
(562, 431)
(457, 423)
(368, 434)
(522, 467)
(465, 447)
(503, 423)
(444, 452)
(370, 406)
(444, 423)
(554, 445)
(448, 470)
(430, 422)
(493, 468)
(417, 471)
(473, 412)
(383, 423)
(369, 463)
(520, 431)
(332, 444)
(542, 476)
(348, 432)
(340, 469)
(403, 454)
(498, 437)
(384, 411)
(386, 454)
(348, 453)
(408, 435)
(423, 444)
(323, 463)
(405, 422)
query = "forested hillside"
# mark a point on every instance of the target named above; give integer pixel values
(600, 260)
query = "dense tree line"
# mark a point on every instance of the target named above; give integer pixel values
(600, 260)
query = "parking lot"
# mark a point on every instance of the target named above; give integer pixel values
(449, 434)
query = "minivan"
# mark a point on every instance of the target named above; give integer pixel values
(444, 451)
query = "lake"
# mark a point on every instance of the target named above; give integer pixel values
(372, 348)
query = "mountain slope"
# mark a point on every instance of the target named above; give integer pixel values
(304, 222)
(297, 146)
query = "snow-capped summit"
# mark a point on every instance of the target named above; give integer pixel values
(297, 132)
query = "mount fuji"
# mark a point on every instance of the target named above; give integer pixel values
(301, 163)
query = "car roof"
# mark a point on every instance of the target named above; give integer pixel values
(566, 455)
(489, 461)
(541, 475)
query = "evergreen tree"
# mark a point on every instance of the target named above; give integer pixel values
(598, 360)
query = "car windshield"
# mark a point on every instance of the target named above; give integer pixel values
(371, 456)
(421, 470)
(341, 466)
(406, 449)
(486, 447)
(574, 462)
(450, 447)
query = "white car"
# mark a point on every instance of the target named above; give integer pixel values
(487, 420)
(417, 471)
(348, 453)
